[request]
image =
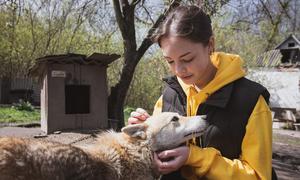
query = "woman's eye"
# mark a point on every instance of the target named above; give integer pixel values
(188, 60)
(170, 62)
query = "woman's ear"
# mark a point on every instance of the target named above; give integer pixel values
(211, 44)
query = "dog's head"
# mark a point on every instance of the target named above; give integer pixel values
(167, 130)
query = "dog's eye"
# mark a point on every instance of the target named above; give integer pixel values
(175, 119)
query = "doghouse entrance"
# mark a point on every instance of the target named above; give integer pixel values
(77, 99)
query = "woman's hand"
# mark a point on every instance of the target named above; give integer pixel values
(138, 116)
(171, 160)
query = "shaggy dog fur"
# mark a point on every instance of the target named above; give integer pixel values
(116, 156)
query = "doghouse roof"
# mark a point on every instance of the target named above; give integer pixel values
(98, 59)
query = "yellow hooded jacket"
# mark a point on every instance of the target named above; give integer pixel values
(255, 161)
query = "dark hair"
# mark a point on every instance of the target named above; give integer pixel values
(185, 21)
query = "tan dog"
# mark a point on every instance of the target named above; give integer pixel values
(116, 156)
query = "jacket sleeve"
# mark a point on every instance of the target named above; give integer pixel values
(255, 161)
(158, 106)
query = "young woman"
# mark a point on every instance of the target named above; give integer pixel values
(238, 142)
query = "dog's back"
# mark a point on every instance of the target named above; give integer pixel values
(36, 160)
(115, 156)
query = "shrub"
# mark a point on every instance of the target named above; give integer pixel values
(23, 106)
(127, 112)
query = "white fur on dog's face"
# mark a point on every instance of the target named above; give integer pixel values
(168, 130)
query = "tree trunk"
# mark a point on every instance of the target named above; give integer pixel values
(125, 17)
(116, 100)
(118, 92)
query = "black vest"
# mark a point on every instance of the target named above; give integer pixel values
(227, 110)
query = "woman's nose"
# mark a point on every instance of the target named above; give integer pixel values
(179, 69)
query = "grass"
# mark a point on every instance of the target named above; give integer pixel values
(13, 115)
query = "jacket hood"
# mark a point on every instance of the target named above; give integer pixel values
(229, 69)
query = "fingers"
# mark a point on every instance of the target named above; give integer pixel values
(138, 116)
(161, 166)
(135, 114)
(168, 154)
(142, 111)
(132, 120)
(171, 160)
(165, 167)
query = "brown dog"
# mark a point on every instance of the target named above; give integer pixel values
(115, 156)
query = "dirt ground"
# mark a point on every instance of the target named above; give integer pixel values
(286, 146)
(286, 154)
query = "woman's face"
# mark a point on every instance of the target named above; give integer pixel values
(188, 60)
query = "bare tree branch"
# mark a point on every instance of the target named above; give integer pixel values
(147, 42)
(284, 7)
(267, 12)
(135, 2)
(148, 14)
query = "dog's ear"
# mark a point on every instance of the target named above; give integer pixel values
(136, 130)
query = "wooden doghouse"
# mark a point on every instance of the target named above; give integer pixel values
(73, 91)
